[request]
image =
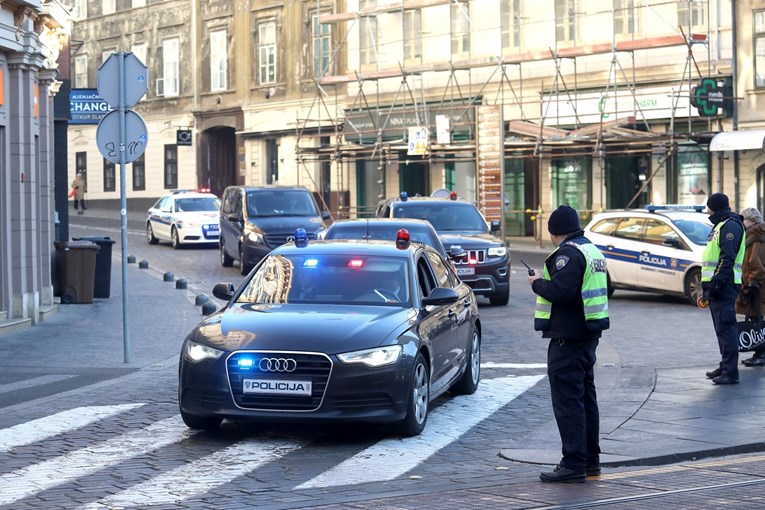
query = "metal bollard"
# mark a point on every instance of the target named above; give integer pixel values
(208, 308)
(168, 277)
(201, 299)
(144, 264)
(180, 283)
(131, 259)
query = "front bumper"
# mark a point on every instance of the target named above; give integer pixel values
(206, 233)
(489, 279)
(349, 392)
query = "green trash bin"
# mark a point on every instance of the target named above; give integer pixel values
(103, 278)
(78, 270)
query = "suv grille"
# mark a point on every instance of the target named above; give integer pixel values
(310, 367)
(276, 240)
(477, 255)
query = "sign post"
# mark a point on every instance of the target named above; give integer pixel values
(121, 137)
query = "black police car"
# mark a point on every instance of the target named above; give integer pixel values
(367, 331)
(461, 225)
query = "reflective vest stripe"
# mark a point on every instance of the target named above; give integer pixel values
(711, 256)
(594, 290)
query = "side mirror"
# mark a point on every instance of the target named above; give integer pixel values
(235, 218)
(167, 209)
(441, 296)
(223, 291)
(672, 243)
(325, 215)
(496, 226)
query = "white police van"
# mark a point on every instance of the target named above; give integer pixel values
(656, 249)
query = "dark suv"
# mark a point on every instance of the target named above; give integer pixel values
(461, 225)
(256, 219)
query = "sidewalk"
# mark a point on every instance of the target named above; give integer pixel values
(648, 416)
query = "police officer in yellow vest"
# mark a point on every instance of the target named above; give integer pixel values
(721, 282)
(572, 311)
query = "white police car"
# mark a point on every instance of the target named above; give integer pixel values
(656, 249)
(184, 217)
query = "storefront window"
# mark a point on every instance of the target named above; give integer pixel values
(571, 184)
(692, 165)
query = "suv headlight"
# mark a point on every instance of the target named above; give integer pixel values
(497, 251)
(253, 235)
(197, 352)
(376, 357)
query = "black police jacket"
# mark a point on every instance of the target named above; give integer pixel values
(731, 233)
(564, 291)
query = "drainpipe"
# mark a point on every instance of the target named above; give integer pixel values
(734, 69)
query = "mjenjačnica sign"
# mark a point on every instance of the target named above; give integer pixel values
(86, 106)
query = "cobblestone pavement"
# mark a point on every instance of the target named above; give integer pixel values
(82, 429)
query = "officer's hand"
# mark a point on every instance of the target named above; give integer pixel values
(535, 276)
(705, 295)
(715, 289)
(754, 285)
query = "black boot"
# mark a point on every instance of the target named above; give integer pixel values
(561, 474)
(758, 360)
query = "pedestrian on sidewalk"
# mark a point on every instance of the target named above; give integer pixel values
(78, 185)
(721, 282)
(572, 311)
(751, 299)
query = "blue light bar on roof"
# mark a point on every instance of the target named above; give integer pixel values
(675, 207)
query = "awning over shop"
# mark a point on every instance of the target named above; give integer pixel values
(738, 140)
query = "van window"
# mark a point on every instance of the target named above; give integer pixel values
(281, 203)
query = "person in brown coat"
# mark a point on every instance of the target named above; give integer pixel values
(78, 185)
(751, 300)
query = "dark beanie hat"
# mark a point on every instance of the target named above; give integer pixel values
(563, 220)
(717, 202)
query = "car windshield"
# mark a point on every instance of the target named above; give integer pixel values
(329, 279)
(384, 232)
(696, 231)
(281, 203)
(444, 216)
(197, 204)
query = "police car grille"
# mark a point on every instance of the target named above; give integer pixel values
(310, 367)
(275, 240)
(477, 255)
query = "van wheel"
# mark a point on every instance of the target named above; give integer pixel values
(243, 267)
(225, 260)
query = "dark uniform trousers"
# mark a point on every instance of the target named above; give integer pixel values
(724, 320)
(570, 366)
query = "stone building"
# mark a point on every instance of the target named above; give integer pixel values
(30, 35)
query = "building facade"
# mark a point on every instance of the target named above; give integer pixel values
(30, 35)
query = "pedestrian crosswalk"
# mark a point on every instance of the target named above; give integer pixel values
(207, 469)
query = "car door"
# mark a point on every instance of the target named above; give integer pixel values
(622, 250)
(460, 311)
(662, 250)
(437, 325)
(162, 224)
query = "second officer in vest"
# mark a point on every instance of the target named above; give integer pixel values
(721, 282)
(572, 311)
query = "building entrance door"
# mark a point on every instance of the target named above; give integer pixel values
(623, 180)
(413, 178)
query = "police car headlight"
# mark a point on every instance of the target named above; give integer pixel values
(497, 251)
(377, 357)
(197, 352)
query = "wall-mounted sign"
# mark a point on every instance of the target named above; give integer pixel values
(183, 137)
(86, 106)
(710, 95)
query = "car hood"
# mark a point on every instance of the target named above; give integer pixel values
(286, 224)
(331, 329)
(202, 216)
(468, 240)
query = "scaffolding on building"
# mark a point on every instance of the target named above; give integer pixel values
(358, 123)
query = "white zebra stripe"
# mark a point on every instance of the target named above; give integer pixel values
(44, 475)
(200, 476)
(445, 424)
(37, 430)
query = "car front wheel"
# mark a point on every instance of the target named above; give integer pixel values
(693, 286)
(500, 299)
(150, 237)
(175, 239)
(468, 383)
(193, 421)
(419, 399)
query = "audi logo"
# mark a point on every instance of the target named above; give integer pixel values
(277, 365)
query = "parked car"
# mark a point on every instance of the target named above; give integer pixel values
(461, 226)
(381, 228)
(656, 249)
(360, 331)
(183, 217)
(256, 219)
